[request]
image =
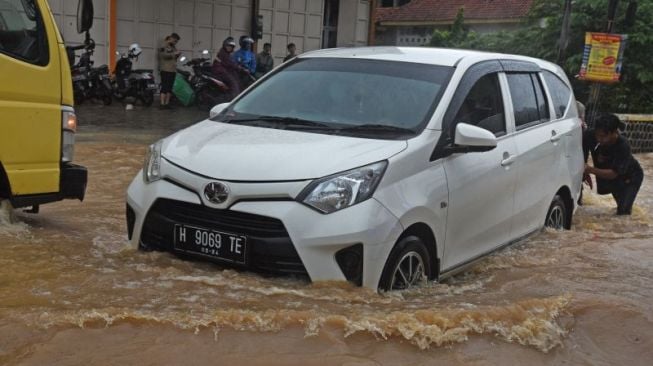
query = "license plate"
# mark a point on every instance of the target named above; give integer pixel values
(152, 86)
(210, 243)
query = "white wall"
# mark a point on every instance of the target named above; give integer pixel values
(292, 21)
(204, 24)
(353, 23)
(65, 14)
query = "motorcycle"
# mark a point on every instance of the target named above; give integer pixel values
(209, 90)
(88, 82)
(133, 83)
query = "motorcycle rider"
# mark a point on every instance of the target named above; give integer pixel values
(168, 55)
(244, 56)
(226, 69)
(247, 59)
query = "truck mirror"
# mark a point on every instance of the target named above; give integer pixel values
(84, 15)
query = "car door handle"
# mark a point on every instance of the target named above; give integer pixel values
(555, 137)
(508, 159)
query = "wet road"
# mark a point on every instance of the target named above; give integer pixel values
(73, 292)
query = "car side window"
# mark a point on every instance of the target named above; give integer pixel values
(560, 93)
(528, 100)
(483, 106)
(22, 34)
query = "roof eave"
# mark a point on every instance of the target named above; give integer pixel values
(399, 23)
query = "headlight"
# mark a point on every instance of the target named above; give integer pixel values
(152, 164)
(345, 189)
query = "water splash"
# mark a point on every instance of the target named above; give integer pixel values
(529, 322)
(9, 223)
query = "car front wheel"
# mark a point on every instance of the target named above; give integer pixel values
(408, 265)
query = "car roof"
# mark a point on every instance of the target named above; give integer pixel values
(424, 55)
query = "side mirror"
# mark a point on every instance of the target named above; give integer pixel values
(471, 138)
(84, 15)
(218, 109)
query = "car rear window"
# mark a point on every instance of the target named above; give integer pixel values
(560, 93)
(529, 103)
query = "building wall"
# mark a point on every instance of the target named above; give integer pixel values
(65, 14)
(204, 24)
(353, 23)
(292, 21)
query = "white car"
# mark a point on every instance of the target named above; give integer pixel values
(382, 166)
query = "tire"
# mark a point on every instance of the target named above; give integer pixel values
(78, 97)
(147, 98)
(397, 273)
(556, 216)
(107, 100)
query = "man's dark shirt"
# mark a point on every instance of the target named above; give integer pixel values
(616, 157)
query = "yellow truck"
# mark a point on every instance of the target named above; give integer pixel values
(37, 119)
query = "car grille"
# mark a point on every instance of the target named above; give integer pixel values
(269, 246)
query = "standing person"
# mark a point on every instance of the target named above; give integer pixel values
(264, 61)
(168, 55)
(291, 51)
(616, 170)
(226, 69)
(246, 59)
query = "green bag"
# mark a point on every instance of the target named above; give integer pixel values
(183, 91)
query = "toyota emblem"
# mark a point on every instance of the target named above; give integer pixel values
(216, 192)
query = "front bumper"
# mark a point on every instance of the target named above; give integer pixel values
(285, 235)
(72, 185)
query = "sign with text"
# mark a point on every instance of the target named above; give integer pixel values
(602, 57)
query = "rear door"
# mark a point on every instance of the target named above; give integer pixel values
(30, 97)
(540, 145)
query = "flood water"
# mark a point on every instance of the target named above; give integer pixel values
(73, 292)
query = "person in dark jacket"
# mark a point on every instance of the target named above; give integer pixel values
(226, 69)
(617, 171)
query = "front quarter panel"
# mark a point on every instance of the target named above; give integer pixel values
(415, 189)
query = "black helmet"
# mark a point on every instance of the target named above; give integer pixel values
(229, 41)
(245, 40)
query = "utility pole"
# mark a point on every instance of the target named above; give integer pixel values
(595, 89)
(564, 33)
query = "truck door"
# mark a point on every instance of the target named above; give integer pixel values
(30, 97)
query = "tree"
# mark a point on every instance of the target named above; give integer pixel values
(540, 35)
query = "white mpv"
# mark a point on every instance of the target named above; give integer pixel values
(382, 166)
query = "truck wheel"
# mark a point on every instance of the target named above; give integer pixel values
(408, 265)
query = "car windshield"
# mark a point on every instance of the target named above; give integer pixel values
(367, 98)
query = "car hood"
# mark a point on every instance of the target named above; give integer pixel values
(245, 153)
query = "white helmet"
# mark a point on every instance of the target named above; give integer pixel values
(135, 49)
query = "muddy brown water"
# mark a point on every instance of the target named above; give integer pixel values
(73, 292)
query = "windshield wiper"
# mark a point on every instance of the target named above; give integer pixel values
(377, 128)
(287, 122)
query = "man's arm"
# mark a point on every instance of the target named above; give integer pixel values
(608, 174)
